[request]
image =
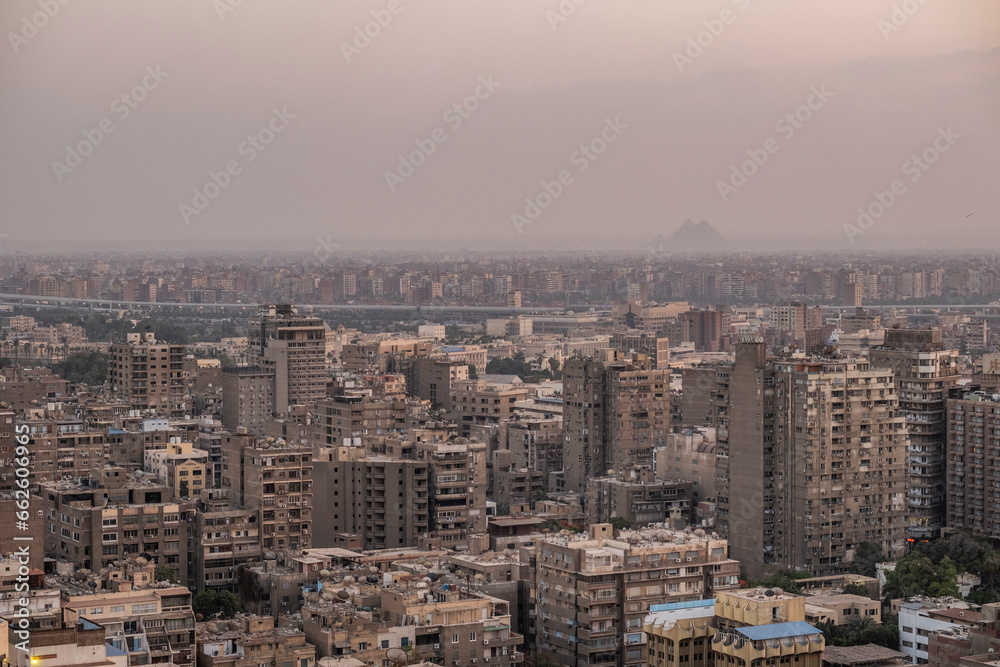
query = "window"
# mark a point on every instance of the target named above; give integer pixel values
(472, 636)
(454, 639)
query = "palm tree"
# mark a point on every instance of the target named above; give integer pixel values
(861, 623)
(17, 349)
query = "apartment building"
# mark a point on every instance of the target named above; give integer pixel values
(256, 642)
(435, 377)
(973, 452)
(247, 398)
(593, 593)
(615, 410)
(293, 347)
(226, 539)
(479, 402)
(534, 443)
(65, 645)
(457, 488)
(814, 462)
(383, 500)
(276, 479)
(393, 354)
(455, 626)
(149, 622)
(924, 372)
(180, 467)
(638, 497)
(350, 416)
(93, 527)
(149, 374)
(689, 455)
(754, 626)
(64, 448)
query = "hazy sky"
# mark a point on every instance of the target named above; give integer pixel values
(664, 120)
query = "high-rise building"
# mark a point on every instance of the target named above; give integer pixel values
(973, 461)
(924, 371)
(149, 374)
(293, 346)
(275, 478)
(614, 412)
(247, 398)
(814, 462)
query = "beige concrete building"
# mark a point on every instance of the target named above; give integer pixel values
(181, 467)
(593, 593)
(752, 628)
(256, 642)
(149, 374)
(478, 402)
(276, 479)
(842, 609)
(614, 413)
(690, 456)
(293, 347)
(924, 372)
(814, 464)
(973, 453)
(638, 497)
(351, 416)
(247, 398)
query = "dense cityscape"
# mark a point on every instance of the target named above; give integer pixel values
(551, 333)
(546, 460)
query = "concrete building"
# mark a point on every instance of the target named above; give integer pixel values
(457, 488)
(638, 497)
(293, 347)
(534, 443)
(383, 500)
(689, 456)
(69, 645)
(746, 627)
(842, 609)
(60, 448)
(814, 462)
(655, 347)
(226, 539)
(93, 527)
(435, 378)
(276, 479)
(256, 642)
(973, 460)
(614, 413)
(917, 620)
(247, 398)
(180, 467)
(149, 374)
(593, 593)
(457, 627)
(350, 416)
(478, 402)
(924, 372)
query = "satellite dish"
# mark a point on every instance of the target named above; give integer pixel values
(396, 654)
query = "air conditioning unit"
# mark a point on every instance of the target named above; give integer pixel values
(689, 559)
(473, 661)
(678, 560)
(486, 659)
(437, 646)
(486, 642)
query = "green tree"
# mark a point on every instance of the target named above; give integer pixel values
(620, 523)
(212, 603)
(857, 589)
(866, 556)
(473, 374)
(87, 367)
(164, 573)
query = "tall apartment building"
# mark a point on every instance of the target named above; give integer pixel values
(149, 374)
(593, 593)
(383, 500)
(640, 499)
(435, 377)
(293, 346)
(275, 478)
(247, 398)
(614, 412)
(534, 443)
(226, 539)
(457, 484)
(973, 460)
(924, 372)
(814, 462)
(654, 346)
(94, 527)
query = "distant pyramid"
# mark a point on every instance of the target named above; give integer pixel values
(695, 237)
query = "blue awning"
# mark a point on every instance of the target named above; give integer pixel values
(778, 630)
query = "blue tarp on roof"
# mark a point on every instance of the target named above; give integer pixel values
(778, 630)
(681, 605)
